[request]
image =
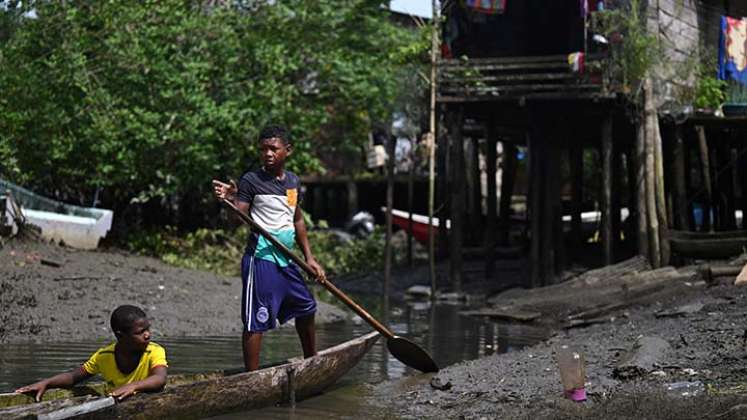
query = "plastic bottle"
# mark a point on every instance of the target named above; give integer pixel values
(572, 372)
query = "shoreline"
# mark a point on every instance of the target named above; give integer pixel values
(44, 303)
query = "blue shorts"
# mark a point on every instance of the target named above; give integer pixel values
(271, 293)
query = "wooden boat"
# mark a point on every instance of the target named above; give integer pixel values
(204, 395)
(704, 245)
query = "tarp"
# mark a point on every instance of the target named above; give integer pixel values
(732, 52)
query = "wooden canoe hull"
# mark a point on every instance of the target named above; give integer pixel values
(700, 245)
(225, 394)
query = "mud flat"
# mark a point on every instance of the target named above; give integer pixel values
(52, 293)
(704, 330)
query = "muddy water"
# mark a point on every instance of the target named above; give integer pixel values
(449, 338)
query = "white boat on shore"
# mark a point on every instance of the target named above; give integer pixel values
(75, 226)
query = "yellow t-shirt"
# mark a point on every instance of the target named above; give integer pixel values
(103, 362)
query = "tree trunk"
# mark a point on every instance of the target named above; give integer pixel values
(389, 204)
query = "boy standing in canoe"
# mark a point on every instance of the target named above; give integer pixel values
(131, 364)
(273, 287)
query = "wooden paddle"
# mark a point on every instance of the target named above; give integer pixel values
(404, 350)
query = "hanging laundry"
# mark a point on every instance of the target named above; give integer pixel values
(732, 51)
(490, 7)
(576, 62)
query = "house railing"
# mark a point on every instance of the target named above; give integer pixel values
(488, 79)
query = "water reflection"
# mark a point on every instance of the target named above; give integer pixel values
(446, 335)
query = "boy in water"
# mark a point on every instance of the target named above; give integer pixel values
(131, 364)
(273, 287)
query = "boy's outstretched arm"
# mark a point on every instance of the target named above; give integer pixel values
(302, 240)
(62, 380)
(154, 382)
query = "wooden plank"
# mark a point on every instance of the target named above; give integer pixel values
(508, 180)
(509, 60)
(517, 88)
(457, 78)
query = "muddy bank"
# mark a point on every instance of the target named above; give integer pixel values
(41, 302)
(706, 347)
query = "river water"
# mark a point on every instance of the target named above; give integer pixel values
(448, 337)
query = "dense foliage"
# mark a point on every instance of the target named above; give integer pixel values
(152, 99)
(220, 251)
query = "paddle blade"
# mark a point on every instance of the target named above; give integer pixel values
(411, 354)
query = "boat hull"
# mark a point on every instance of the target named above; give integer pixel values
(226, 394)
(700, 245)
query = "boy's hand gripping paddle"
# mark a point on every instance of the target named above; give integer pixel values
(404, 350)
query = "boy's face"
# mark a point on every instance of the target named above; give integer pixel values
(138, 336)
(272, 153)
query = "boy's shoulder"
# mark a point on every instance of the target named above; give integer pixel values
(154, 347)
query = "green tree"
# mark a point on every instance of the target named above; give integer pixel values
(152, 99)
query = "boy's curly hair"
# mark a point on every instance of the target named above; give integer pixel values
(274, 132)
(124, 316)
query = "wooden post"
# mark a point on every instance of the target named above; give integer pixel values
(576, 158)
(727, 185)
(352, 195)
(432, 149)
(555, 255)
(491, 216)
(661, 203)
(508, 180)
(653, 221)
(535, 203)
(681, 221)
(391, 143)
(705, 167)
(606, 207)
(742, 165)
(640, 188)
(456, 236)
(444, 181)
(410, 201)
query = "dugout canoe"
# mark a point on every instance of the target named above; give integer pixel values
(705, 245)
(204, 395)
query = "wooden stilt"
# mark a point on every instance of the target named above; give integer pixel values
(535, 203)
(661, 203)
(491, 217)
(444, 185)
(606, 199)
(689, 181)
(640, 188)
(388, 257)
(617, 187)
(728, 177)
(410, 201)
(456, 236)
(742, 165)
(352, 197)
(556, 257)
(681, 220)
(508, 180)
(705, 167)
(576, 157)
(475, 202)
(653, 221)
